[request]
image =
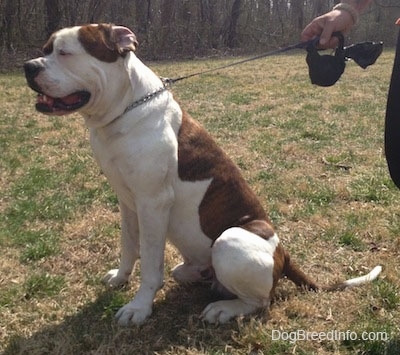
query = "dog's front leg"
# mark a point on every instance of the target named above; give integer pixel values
(129, 249)
(153, 216)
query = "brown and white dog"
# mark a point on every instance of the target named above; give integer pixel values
(171, 178)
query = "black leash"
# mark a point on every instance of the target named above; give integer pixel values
(324, 70)
(167, 82)
(300, 45)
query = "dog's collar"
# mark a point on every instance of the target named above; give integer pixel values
(142, 100)
(149, 96)
(145, 98)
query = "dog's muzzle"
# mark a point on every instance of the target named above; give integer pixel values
(32, 69)
(49, 104)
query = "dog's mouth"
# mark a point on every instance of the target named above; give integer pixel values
(62, 105)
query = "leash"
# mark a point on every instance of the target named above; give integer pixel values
(300, 45)
(323, 70)
(167, 82)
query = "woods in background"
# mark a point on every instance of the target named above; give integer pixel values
(170, 29)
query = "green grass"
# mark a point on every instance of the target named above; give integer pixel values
(43, 285)
(351, 240)
(314, 157)
(41, 246)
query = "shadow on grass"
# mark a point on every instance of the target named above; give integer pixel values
(174, 326)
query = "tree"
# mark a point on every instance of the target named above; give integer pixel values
(142, 15)
(233, 21)
(53, 16)
(297, 14)
(185, 28)
(9, 23)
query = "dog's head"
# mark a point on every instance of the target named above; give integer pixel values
(81, 66)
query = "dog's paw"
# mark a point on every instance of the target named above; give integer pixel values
(131, 314)
(223, 311)
(113, 280)
(217, 312)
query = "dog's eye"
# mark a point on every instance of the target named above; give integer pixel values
(63, 52)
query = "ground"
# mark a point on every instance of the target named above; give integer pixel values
(313, 155)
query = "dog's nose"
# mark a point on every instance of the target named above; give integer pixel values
(32, 69)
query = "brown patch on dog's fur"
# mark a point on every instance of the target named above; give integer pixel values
(293, 273)
(101, 42)
(261, 228)
(265, 231)
(277, 273)
(228, 199)
(49, 46)
(283, 265)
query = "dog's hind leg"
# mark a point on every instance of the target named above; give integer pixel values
(129, 249)
(244, 264)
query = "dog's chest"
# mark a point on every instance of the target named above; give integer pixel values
(138, 156)
(208, 193)
(135, 165)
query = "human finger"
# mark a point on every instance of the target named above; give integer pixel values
(312, 30)
(326, 35)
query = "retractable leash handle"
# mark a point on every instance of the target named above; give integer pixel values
(364, 53)
(325, 70)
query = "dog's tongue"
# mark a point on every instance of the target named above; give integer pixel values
(71, 99)
(62, 105)
(48, 104)
(50, 101)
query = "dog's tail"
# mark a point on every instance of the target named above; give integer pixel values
(293, 273)
(357, 281)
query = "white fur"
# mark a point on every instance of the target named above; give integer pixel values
(371, 276)
(243, 263)
(223, 311)
(138, 152)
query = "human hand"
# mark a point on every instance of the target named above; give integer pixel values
(325, 25)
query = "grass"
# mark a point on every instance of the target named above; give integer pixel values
(313, 155)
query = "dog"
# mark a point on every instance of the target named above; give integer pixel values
(171, 179)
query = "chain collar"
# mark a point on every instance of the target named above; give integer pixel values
(151, 95)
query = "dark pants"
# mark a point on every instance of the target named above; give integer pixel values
(392, 121)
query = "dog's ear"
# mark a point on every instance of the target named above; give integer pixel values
(124, 39)
(107, 42)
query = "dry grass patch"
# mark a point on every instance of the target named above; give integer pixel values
(313, 155)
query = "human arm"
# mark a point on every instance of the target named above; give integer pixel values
(340, 19)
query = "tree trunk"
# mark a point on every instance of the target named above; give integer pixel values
(96, 10)
(53, 16)
(231, 40)
(142, 15)
(10, 12)
(167, 20)
(297, 15)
